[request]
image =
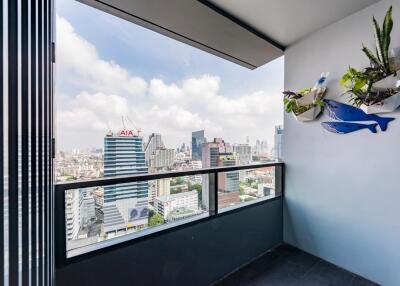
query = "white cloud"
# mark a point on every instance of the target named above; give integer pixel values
(80, 65)
(108, 92)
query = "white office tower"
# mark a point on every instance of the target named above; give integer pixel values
(125, 205)
(177, 206)
(72, 213)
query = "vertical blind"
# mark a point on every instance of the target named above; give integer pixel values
(26, 107)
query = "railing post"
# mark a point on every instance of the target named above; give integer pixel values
(279, 179)
(212, 193)
(60, 229)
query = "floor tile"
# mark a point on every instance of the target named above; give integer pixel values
(288, 266)
(325, 273)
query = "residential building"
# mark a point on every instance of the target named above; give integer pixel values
(125, 205)
(229, 181)
(87, 208)
(243, 153)
(153, 143)
(162, 159)
(72, 213)
(219, 153)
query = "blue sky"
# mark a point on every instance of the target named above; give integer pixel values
(173, 77)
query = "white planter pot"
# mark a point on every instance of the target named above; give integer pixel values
(387, 82)
(309, 98)
(390, 104)
(309, 115)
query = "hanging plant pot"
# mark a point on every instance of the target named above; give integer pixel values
(389, 104)
(308, 115)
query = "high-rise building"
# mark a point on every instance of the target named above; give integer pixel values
(261, 147)
(198, 140)
(155, 142)
(214, 154)
(278, 139)
(125, 205)
(162, 158)
(72, 213)
(228, 182)
(87, 208)
(243, 153)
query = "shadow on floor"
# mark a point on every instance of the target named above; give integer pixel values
(289, 266)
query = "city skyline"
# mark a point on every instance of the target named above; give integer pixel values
(161, 84)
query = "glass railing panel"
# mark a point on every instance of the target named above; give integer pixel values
(242, 187)
(101, 216)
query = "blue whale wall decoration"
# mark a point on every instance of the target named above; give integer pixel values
(347, 127)
(345, 112)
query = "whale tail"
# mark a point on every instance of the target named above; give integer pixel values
(383, 122)
(372, 127)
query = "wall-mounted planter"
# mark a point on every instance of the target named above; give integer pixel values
(309, 99)
(389, 82)
(309, 115)
(390, 104)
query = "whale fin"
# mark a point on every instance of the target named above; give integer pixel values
(372, 127)
(383, 122)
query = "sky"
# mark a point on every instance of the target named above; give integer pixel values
(107, 68)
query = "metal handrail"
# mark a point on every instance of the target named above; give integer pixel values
(107, 181)
(60, 188)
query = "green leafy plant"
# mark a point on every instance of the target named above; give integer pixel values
(291, 104)
(359, 83)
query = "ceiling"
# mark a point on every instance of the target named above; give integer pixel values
(287, 21)
(247, 32)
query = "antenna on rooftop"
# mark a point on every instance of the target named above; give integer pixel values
(123, 123)
(138, 130)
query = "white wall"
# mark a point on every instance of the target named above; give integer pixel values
(343, 191)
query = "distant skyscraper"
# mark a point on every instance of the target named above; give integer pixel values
(125, 205)
(278, 141)
(197, 141)
(261, 147)
(243, 153)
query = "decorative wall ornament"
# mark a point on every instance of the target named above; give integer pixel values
(347, 127)
(306, 104)
(345, 113)
(376, 89)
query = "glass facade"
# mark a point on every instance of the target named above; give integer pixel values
(197, 141)
(125, 205)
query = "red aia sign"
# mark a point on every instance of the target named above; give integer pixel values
(126, 133)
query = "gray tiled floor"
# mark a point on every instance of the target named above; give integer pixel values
(289, 266)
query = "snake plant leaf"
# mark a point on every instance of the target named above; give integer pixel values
(386, 30)
(371, 56)
(378, 39)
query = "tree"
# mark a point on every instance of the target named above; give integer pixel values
(196, 187)
(155, 220)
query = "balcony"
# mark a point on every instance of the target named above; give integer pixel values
(325, 213)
